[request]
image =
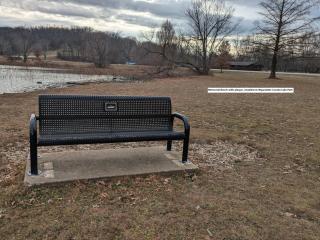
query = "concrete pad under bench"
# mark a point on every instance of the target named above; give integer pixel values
(94, 164)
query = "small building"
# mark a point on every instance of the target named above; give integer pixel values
(249, 66)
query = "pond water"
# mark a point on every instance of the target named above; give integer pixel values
(14, 79)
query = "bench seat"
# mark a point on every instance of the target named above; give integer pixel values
(89, 138)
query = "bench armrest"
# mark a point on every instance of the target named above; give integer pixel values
(33, 145)
(33, 127)
(185, 121)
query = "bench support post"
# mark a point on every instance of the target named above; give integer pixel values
(185, 148)
(33, 146)
(33, 159)
(169, 145)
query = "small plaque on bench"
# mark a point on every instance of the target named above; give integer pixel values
(110, 106)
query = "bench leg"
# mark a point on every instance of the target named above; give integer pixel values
(169, 145)
(185, 149)
(33, 158)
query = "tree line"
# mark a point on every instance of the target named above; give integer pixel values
(286, 39)
(75, 43)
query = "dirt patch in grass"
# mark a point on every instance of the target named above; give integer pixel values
(259, 169)
(222, 155)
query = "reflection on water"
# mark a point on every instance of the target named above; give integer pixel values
(15, 79)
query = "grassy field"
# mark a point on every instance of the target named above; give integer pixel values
(259, 172)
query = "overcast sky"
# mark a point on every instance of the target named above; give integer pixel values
(130, 17)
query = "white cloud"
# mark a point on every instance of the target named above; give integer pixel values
(127, 16)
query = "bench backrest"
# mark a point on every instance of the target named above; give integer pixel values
(69, 114)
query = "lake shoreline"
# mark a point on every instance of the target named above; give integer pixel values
(15, 79)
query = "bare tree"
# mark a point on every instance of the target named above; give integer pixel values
(99, 44)
(224, 55)
(244, 49)
(161, 47)
(211, 23)
(284, 23)
(128, 48)
(237, 47)
(44, 45)
(5, 46)
(75, 43)
(114, 47)
(24, 42)
(166, 40)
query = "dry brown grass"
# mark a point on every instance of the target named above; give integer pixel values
(266, 187)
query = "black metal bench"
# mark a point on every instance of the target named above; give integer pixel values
(70, 120)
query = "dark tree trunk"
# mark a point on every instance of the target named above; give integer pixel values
(205, 67)
(275, 55)
(274, 66)
(25, 58)
(277, 44)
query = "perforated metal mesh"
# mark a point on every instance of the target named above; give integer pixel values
(59, 114)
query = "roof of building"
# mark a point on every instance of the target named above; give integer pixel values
(244, 64)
